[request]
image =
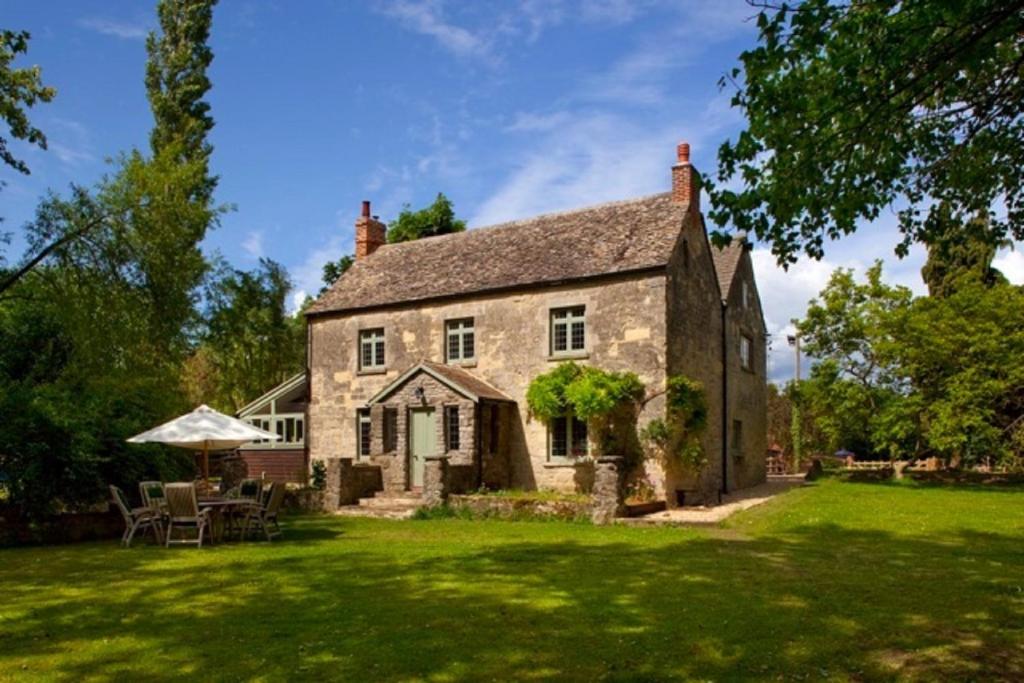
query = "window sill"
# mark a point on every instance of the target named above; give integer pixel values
(372, 371)
(574, 355)
(462, 363)
(558, 464)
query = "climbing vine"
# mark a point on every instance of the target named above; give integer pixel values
(603, 399)
(677, 437)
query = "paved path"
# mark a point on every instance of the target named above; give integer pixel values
(731, 504)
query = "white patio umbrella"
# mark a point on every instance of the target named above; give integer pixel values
(204, 429)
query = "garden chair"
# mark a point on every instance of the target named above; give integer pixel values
(262, 516)
(135, 518)
(250, 489)
(153, 495)
(183, 512)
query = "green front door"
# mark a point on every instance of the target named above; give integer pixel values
(422, 442)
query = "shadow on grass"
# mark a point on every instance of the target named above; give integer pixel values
(463, 601)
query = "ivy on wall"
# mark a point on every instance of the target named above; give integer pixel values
(677, 437)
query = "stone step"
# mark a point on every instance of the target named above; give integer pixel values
(398, 495)
(391, 503)
(374, 513)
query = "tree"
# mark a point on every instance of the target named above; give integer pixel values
(436, 219)
(176, 83)
(960, 251)
(19, 89)
(335, 269)
(961, 354)
(858, 106)
(251, 343)
(856, 386)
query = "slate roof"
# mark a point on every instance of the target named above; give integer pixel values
(617, 237)
(727, 260)
(458, 379)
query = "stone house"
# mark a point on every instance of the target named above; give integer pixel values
(427, 348)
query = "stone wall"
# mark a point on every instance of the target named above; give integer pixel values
(625, 331)
(347, 482)
(395, 464)
(695, 349)
(748, 389)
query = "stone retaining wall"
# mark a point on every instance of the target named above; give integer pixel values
(347, 482)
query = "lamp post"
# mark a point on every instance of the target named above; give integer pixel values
(797, 426)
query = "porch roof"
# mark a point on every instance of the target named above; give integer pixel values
(455, 378)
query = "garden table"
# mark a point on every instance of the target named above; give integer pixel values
(222, 509)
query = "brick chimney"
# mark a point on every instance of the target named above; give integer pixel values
(685, 179)
(370, 233)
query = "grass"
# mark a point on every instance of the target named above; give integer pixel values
(840, 581)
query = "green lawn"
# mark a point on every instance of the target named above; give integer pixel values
(841, 581)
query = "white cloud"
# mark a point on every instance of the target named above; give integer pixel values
(118, 29)
(253, 244)
(308, 276)
(69, 155)
(426, 18)
(527, 122)
(1011, 264)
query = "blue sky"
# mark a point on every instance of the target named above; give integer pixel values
(510, 108)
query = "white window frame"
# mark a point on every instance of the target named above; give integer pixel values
(568, 317)
(571, 423)
(372, 341)
(449, 412)
(278, 423)
(463, 333)
(363, 418)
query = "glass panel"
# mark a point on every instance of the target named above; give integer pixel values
(300, 430)
(577, 336)
(379, 360)
(364, 433)
(559, 438)
(468, 345)
(560, 343)
(580, 446)
(453, 347)
(452, 413)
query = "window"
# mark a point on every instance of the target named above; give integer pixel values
(568, 437)
(451, 428)
(461, 341)
(390, 430)
(371, 349)
(568, 330)
(746, 348)
(746, 295)
(363, 433)
(737, 439)
(290, 427)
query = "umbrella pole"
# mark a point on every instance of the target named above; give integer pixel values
(206, 466)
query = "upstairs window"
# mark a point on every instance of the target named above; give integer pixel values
(371, 349)
(746, 295)
(460, 340)
(568, 438)
(746, 350)
(363, 434)
(451, 428)
(568, 330)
